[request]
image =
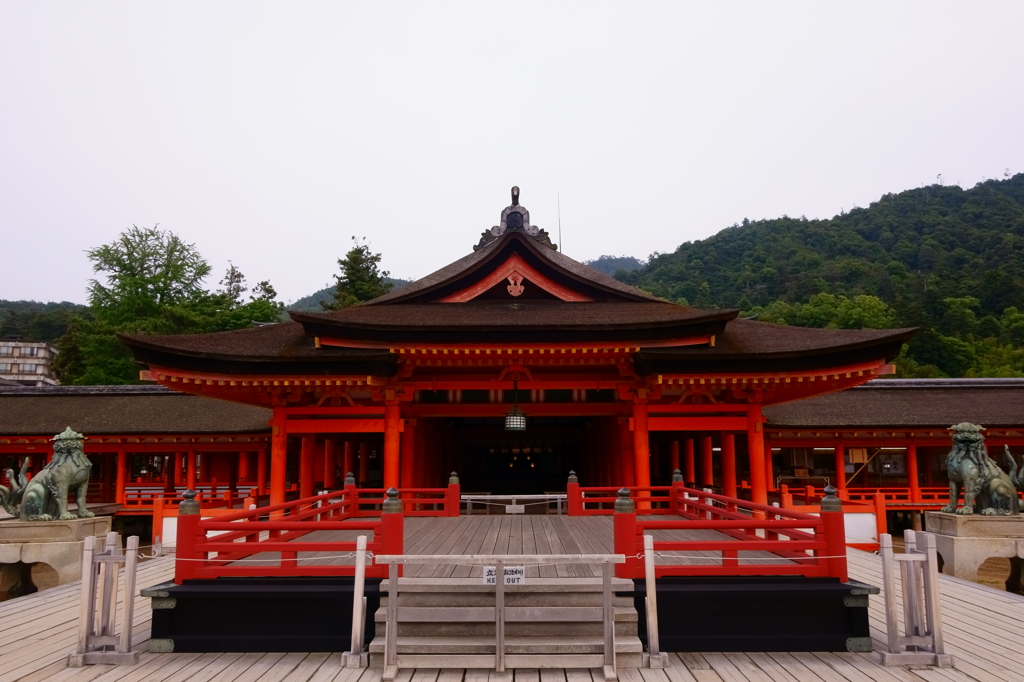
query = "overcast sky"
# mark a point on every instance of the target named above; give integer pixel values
(270, 133)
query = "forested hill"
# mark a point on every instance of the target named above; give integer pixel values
(948, 260)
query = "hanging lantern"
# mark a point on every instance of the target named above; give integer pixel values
(515, 420)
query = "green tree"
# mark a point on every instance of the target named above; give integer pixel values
(150, 281)
(360, 279)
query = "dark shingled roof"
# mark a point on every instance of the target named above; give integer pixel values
(473, 261)
(110, 410)
(745, 345)
(908, 402)
(501, 321)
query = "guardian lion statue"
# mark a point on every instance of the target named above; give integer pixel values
(45, 497)
(987, 489)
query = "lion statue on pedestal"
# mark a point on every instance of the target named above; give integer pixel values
(45, 497)
(987, 489)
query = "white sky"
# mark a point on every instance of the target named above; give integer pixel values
(269, 133)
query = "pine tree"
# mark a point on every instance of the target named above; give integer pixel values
(360, 279)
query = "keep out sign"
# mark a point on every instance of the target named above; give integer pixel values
(514, 575)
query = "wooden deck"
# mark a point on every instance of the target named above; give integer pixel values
(39, 632)
(516, 534)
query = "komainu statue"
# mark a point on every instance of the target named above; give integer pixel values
(987, 490)
(45, 497)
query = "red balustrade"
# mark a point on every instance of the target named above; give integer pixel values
(599, 501)
(219, 547)
(803, 544)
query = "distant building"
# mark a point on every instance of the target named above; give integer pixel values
(27, 363)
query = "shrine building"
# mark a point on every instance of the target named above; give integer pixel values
(513, 366)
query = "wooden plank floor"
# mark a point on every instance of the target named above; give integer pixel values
(514, 534)
(987, 646)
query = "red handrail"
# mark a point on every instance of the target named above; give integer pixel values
(787, 534)
(219, 547)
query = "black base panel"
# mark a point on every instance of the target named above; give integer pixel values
(263, 614)
(784, 613)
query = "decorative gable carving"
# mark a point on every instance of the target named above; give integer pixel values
(515, 270)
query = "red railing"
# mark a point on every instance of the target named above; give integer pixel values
(802, 544)
(225, 546)
(210, 548)
(599, 501)
(899, 497)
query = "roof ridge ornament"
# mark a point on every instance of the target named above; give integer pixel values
(515, 218)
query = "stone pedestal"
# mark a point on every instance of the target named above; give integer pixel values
(50, 550)
(965, 542)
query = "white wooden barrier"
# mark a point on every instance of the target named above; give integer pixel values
(658, 658)
(97, 642)
(919, 575)
(355, 657)
(393, 661)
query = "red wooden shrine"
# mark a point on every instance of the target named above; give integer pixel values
(416, 384)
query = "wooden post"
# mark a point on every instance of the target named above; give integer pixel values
(641, 451)
(243, 467)
(278, 460)
(354, 658)
(769, 467)
(624, 535)
(707, 471)
(364, 463)
(261, 471)
(306, 466)
(452, 499)
(912, 474)
(573, 499)
(840, 468)
(190, 474)
(330, 463)
(408, 465)
(347, 458)
(392, 446)
(673, 455)
(188, 542)
(834, 527)
(689, 463)
(729, 464)
(122, 475)
(755, 451)
(881, 522)
(179, 468)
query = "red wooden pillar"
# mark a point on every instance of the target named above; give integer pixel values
(243, 466)
(190, 473)
(261, 471)
(179, 468)
(626, 446)
(912, 474)
(673, 457)
(841, 468)
(306, 458)
(409, 456)
(278, 459)
(122, 475)
(331, 463)
(689, 463)
(392, 446)
(729, 464)
(641, 451)
(364, 463)
(707, 471)
(348, 458)
(755, 451)
(769, 466)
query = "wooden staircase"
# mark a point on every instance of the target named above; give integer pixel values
(548, 623)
